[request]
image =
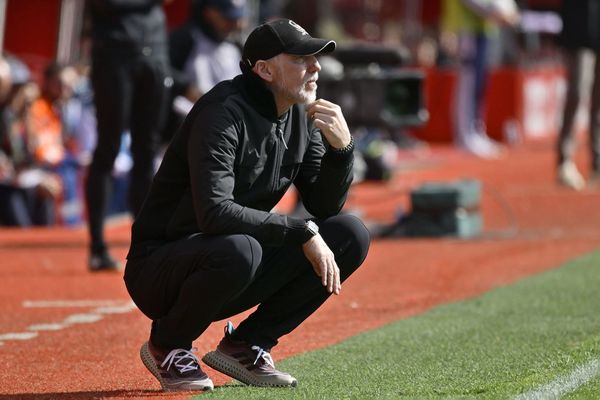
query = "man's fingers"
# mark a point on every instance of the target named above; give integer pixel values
(338, 282)
(320, 102)
(323, 263)
(322, 106)
(336, 286)
(330, 278)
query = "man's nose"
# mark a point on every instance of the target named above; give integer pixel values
(313, 64)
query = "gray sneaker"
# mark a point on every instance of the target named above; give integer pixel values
(179, 370)
(251, 365)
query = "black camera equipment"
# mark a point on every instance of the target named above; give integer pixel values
(375, 89)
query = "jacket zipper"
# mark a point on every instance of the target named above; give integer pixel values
(279, 134)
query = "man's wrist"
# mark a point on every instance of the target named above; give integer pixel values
(311, 229)
(349, 148)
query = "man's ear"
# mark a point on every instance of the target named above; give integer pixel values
(264, 70)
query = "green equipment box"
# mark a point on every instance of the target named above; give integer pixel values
(445, 209)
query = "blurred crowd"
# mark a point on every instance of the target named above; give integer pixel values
(49, 127)
(43, 144)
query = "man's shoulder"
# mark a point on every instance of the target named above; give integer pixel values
(225, 94)
(225, 100)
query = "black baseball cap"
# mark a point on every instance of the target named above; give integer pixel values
(282, 36)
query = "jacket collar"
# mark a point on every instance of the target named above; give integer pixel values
(258, 94)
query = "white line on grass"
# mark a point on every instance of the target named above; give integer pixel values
(564, 384)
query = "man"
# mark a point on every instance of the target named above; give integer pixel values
(130, 83)
(475, 22)
(202, 53)
(205, 246)
(212, 57)
(580, 35)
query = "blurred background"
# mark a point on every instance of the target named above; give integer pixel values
(397, 74)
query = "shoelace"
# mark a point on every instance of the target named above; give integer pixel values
(178, 357)
(265, 355)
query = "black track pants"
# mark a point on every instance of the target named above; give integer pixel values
(186, 285)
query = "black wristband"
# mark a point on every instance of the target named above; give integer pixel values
(345, 150)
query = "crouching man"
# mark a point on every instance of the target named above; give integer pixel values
(205, 245)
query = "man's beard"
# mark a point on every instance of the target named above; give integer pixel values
(301, 95)
(307, 95)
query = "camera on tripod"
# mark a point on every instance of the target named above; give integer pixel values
(374, 89)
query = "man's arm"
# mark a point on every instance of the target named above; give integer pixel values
(323, 182)
(326, 174)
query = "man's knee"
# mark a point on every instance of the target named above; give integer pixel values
(348, 238)
(241, 255)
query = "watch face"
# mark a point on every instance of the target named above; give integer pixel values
(312, 227)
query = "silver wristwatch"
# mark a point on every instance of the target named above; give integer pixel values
(312, 228)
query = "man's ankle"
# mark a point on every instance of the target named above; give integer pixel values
(158, 352)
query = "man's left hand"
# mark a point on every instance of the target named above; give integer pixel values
(323, 262)
(328, 117)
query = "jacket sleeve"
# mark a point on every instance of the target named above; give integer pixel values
(211, 156)
(324, 178)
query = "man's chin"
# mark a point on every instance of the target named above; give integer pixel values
(308, 97)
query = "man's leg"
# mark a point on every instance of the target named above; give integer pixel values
(181, 286)
(568, 174)
(287, 287)
(574, 60)
(149, 106)
(288, 291)
(112, 95)
(595, 122)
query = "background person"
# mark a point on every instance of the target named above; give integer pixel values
(206, 245)
(580, 34)
(130, 83)
(28, 193)
(474, 22)
(202, 53)
(53, 143)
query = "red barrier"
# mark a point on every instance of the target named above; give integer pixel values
(520, 103)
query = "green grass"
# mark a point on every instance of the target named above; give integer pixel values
(510, 340)
(589, 391)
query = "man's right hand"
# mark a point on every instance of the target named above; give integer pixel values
(323, 262)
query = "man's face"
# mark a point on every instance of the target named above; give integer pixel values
(222, 26)
(62, 85)
(295, 77)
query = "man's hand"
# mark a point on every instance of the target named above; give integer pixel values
(329, 119)
(323, 261)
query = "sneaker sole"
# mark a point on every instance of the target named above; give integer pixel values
(231, 367)
(148, 360)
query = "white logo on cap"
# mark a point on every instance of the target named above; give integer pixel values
(298, 28)
(239, 3)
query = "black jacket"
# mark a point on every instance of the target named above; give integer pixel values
(228, 166)
(133, 24)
